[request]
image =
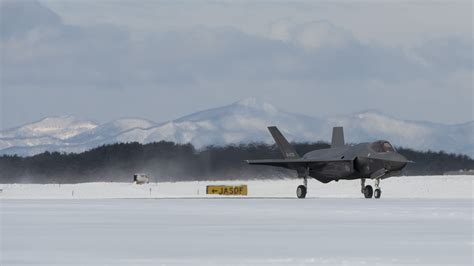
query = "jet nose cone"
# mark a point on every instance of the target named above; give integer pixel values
(398, 161)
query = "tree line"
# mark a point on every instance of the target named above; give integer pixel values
(168, 161)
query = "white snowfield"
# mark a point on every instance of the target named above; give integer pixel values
(456, 186)
(418, 221)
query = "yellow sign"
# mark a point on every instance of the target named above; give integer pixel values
(227, 190)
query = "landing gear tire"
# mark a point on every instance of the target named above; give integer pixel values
(368, 192)
(301, 192)
(377, 193)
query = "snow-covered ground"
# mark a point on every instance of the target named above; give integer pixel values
(315, 231)
(418, 221)
(395, 187)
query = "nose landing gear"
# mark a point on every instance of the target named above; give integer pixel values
(377, 191)
(368, 191)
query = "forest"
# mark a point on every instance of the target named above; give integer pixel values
(167, 161)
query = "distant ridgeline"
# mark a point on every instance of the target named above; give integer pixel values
(167, 161)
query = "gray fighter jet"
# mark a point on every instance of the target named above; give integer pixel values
(376, 160)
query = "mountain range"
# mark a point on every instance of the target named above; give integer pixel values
(244, 121)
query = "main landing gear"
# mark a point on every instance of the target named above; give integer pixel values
(368, 191)
(301, 190)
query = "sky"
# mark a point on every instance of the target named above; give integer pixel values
(159, 60)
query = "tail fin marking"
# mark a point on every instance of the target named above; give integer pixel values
(285, 147)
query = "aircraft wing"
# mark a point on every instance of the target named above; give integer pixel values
(297, 163)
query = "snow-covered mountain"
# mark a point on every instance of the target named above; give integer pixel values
(54, 131)
(60, 127)
(241, 122)
(108, 131)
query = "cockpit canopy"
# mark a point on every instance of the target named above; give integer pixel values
(382, 146)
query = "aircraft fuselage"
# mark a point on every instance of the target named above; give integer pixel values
(366, 163)
(374, 160)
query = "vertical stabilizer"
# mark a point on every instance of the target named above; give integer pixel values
(285, 147)
(337, 137)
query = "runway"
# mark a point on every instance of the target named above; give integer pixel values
(267, 231)
(426, 187)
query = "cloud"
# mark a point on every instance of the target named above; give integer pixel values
(39, 49)
(311, 35)
(52, 53)
(19, 17)
(448, 53)
(42, 53)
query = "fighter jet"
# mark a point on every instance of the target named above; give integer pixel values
(375, 160)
